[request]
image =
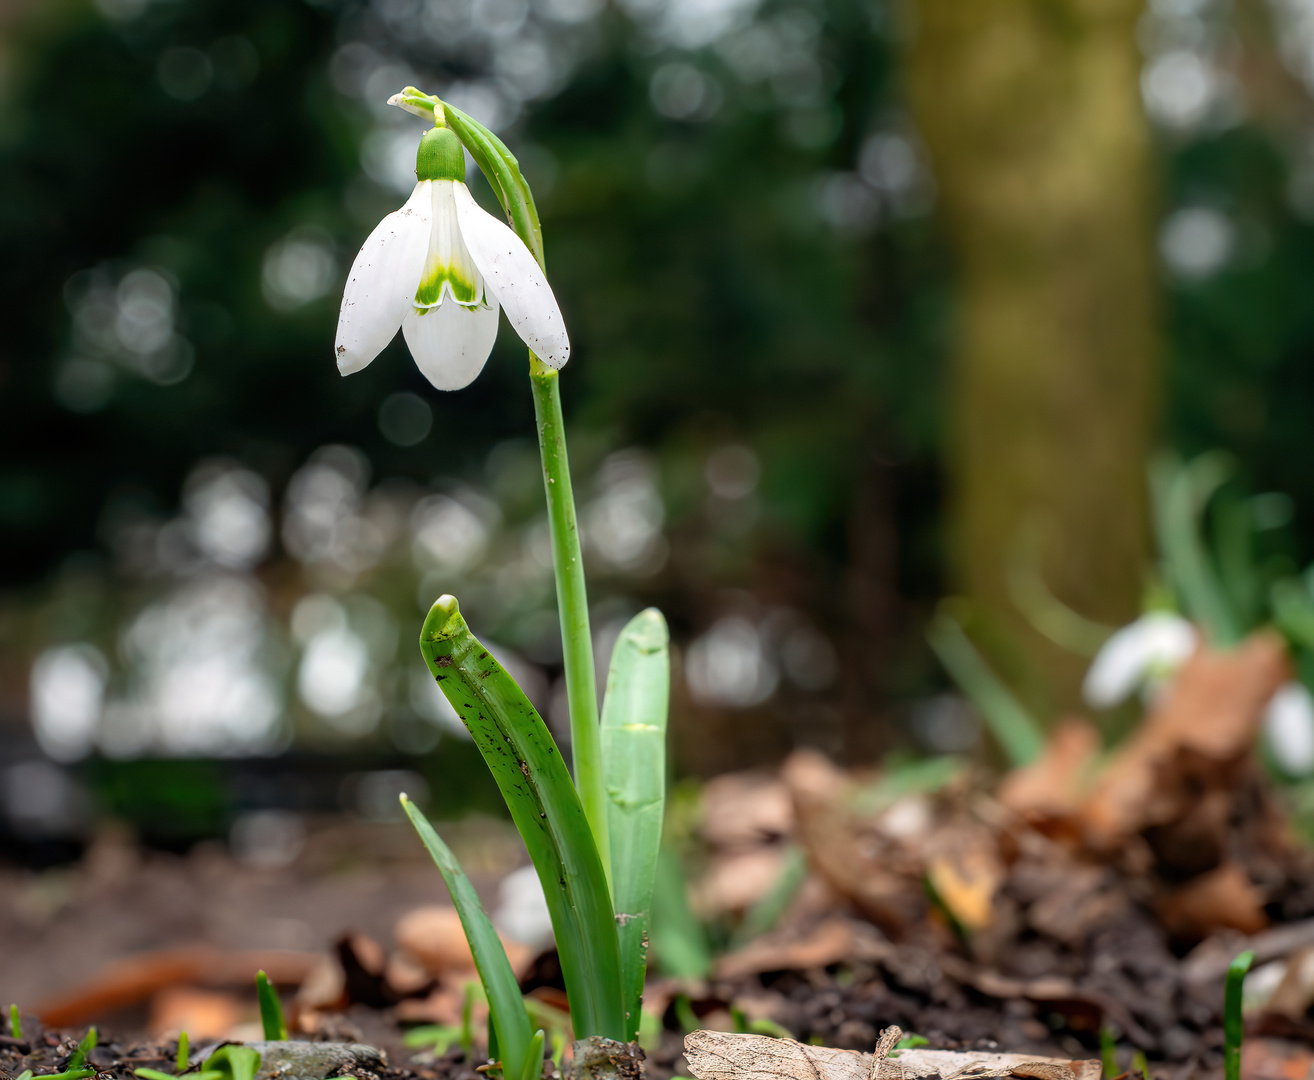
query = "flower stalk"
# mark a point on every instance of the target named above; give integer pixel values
(572, 605)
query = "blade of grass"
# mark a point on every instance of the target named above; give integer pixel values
(1108, 1053)
(183, 1052)
(1233, 1025)
(1013, 727)
(546, 809)
(15, 1022)
(634, 766)
(506, 1008)
(271, 1009)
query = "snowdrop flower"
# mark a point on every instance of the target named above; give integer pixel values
(1142, 654)
(1289, 727)
(438, 269)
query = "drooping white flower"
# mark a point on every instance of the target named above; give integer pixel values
(1289, 728)
(438, 269)
(1142, 654)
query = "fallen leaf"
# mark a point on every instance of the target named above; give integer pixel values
(714, 1055)
(203, 1014)
(1222, 898)
(1053, 786)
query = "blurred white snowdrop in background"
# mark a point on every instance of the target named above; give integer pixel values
(623, 522)
(1197, 242)
(199, 671)
(1141, 656)
(1289, 729)
(522, 911)
(729, 665)
(298, 269)
(66, 695)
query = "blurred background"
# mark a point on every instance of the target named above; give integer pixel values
(871, 304)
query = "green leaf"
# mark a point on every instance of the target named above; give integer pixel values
(233, 1062)
(15, 1023)
(153, 1074)
(634, 770)
(502, 169)
(1013, 727)
(183, 1054)
(1180, 494)
(436, 1038)
(533, 1066)
(79, 1056)
(506, 1008)
(677, 936)
(1233, 1026)
(764, 914)
(525, 762)
(271, 1009)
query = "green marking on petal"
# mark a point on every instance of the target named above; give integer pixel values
(462, 288)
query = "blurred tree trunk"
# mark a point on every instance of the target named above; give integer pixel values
(1040, 151)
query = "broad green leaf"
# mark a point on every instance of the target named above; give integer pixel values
(505, 1006)
(525, 762)
(634, 770)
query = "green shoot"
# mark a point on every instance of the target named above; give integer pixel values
(1141, 1065)
(546, 810)
(677, 935)
(1013, 727)
(1108, 1053)
(634, 758)
(650, 1031)
(183, 1055)
(79, 1056)
(72, 1074)
(1233, 1026)
(436, 1038)
(231, 1062)
(271, 1009)
(684, 1013)
(1180, 494)
(15, 1022)
(558, 1049)
(533, 1066)
(764, 914)
(26, 1074)
(508, 1023)
(155, 1074)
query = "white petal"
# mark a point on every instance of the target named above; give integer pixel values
(516, 280)
(451, 342)
(382, 282)
(1151, 648)
(1289, 725)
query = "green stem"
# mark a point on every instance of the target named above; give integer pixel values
(572, 605)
